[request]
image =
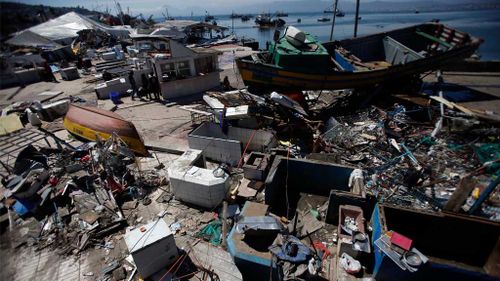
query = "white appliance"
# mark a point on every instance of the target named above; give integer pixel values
(152, 246)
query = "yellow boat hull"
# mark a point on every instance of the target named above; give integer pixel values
(90, 123)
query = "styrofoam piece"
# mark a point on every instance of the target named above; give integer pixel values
(194, 184)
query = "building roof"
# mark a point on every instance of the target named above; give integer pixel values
(69, 24)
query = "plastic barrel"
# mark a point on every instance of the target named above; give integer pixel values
(115, 97)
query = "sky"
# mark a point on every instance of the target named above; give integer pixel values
(185, 7)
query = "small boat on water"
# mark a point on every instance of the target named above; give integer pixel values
(297, 61)
(281, 14)
(265, 20)
(324, 19)
(338, 12)
(209, 17)
(246, 17)
(89, 122)
(235, 16)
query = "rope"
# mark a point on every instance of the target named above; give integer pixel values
(246, 147)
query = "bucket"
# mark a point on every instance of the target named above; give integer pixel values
(115, 97)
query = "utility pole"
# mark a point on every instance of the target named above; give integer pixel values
(334, 16)
(356, 19)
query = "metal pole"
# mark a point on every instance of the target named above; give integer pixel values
(224, 222)
(356, 19)
(334, 16)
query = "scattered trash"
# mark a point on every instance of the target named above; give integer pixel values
(349, 264)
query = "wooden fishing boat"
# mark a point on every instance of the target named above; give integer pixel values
(89, 122)
(265, 20)
(299, 62)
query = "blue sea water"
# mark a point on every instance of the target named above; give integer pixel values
(483, 23)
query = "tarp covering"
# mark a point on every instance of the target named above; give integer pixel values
(68, 25)
(170, 33)
(29, 39)
(178, 24)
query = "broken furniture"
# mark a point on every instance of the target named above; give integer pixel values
(152, 246)
(228, 147)
(193, 183)
(458, 247)
(233, 105)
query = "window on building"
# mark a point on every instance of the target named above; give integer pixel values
(168, 71)
(145, 46)
(204, 65)
(183, 68)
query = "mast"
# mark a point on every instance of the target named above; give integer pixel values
(356, 19)
(334, 16)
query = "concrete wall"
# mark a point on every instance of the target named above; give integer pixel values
(229, 147)
(304, 176)
(189, 86)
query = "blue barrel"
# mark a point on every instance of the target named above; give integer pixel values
(115, 97)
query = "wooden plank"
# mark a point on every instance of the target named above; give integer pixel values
(459, 196)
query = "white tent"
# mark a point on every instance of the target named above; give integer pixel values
(67, 26)
(30, 39)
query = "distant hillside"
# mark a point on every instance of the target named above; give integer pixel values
(16, 16)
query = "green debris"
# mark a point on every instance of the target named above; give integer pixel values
(489, 152)
(212, 232)
(427, 140)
